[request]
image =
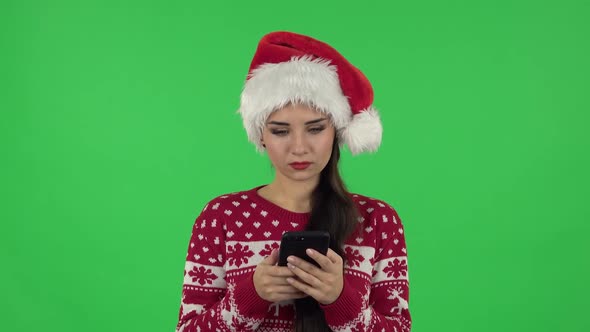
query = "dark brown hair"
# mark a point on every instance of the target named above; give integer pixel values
(332, 210)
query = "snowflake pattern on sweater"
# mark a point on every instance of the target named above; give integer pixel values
(234, 232)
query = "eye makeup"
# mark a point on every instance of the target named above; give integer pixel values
(317, 130)
(282, 132)
(278, 132)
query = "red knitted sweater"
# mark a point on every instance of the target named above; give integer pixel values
(234, 232)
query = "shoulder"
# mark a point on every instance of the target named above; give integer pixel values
(380, 226)
(227, 201)
(373, 207)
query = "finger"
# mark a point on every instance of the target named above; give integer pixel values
(278, 280)
(305, 288)
(272, 258)
(334, 257)
(307, 267)
(324, 261)
(280, 271)
(307, 278)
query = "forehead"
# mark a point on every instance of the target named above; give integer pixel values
(296, 113)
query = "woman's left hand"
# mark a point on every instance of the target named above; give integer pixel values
(323, 284)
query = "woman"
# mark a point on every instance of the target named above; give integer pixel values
(302, 101)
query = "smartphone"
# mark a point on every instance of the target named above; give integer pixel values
(295, 244)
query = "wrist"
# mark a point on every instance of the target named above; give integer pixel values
(248, 298)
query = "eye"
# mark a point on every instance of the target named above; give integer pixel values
(316, 130)
(278, 132)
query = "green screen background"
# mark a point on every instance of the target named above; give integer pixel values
(118, 124)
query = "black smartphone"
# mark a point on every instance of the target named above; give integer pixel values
(295, 244)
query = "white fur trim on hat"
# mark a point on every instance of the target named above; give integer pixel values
(272, 86)
(363, 133)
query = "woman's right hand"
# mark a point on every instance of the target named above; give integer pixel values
(270, 280)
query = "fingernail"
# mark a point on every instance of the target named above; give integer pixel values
(291, 259)
(291, 266)
(309, 252)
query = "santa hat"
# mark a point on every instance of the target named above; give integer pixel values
(293, 68)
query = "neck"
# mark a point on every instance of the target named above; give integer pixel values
(292, 195)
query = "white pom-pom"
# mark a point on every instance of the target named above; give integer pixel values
(363, 133)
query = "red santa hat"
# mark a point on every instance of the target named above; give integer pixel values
(293, 68)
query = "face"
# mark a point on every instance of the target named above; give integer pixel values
(298, 134)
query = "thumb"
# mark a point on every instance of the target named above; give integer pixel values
(272, 258)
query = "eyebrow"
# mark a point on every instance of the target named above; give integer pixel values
(286, 123)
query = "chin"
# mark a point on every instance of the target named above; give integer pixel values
(301, 176)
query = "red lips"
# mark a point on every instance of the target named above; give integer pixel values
(300, 165)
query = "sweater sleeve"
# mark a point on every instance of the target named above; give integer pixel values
(382, 306)
(208, 302)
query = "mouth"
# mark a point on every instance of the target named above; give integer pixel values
(300, 165)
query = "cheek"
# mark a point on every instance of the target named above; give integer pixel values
(327, 152)
(275, 146)
(326, 144)
(275, 150)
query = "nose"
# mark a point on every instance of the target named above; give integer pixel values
(300, 145)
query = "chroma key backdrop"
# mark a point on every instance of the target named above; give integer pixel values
(118, 123)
